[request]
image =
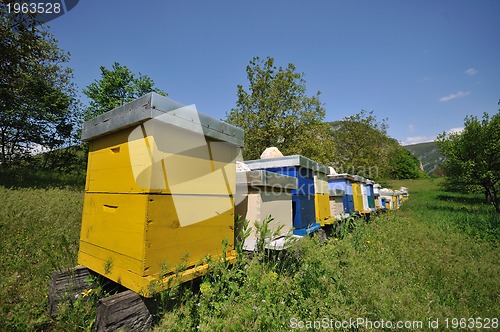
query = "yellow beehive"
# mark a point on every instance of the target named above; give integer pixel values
(322, 205)
(322, 196)
(395, 202)
(158, 194)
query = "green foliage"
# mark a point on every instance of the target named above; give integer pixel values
(39, 109)
(60, 168)
(275, 111)
(473, 157)
(362, 145)
(404, 164)
(116, 87)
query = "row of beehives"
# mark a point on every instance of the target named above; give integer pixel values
(302, 195)
(161, 189)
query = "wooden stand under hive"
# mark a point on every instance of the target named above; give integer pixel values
(159, 193)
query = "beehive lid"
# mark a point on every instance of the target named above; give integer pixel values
(386, 192)
(336, 192)
(376, 185)
(266, 179)
(153, 105)
(287, 161)
(359, 178)
(341, 176)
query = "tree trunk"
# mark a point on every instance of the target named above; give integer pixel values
(3, 147)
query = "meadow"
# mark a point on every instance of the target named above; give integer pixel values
(435, 260)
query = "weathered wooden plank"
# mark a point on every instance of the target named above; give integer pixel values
(126, 310)
(67, 283)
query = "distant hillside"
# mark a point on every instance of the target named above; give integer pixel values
(428, 154)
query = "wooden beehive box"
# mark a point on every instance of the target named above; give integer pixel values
(159, 192)
(261, 194)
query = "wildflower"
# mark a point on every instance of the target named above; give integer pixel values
(205, 288)
(198, 327)
(368, 242)
(264, 301)
(87, 292)
(76, 295)
(254, 307)
(199, 304)
(336, 239)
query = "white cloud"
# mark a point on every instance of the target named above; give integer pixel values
(455, 130)
(418, 139)
(459, 94)
(471, 71)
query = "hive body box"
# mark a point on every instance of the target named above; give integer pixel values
(158, 194)
(337, 209)
(359, 194)
(322, 197)
(343, 182)
(378, 199)
(388, 194)
(260, 194)
(303, 205)
(370, 194)
(383, 205)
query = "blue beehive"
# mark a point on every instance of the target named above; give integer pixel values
(302, 168)
(305, 178)
(343, 182)
(304, 214)
(383, 203)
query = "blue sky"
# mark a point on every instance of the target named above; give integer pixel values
(424, 65)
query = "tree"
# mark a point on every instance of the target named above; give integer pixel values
(38, 105)
(404, 165)
(473, 156)
(275, 111)
(116, 87)
(362, 145)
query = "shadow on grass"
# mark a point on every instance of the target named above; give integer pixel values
(40, 178)
(469, 214)
(463, 199)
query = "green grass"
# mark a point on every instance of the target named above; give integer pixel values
(39, 232)
(436, 257)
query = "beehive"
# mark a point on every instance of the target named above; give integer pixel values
(159, 193)
(303, 199)
(359, 194)
(388, 194)
(378, 198)
(370, 194)
(322, 197)
(260, 194)
(343, 182)
(337, 204)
